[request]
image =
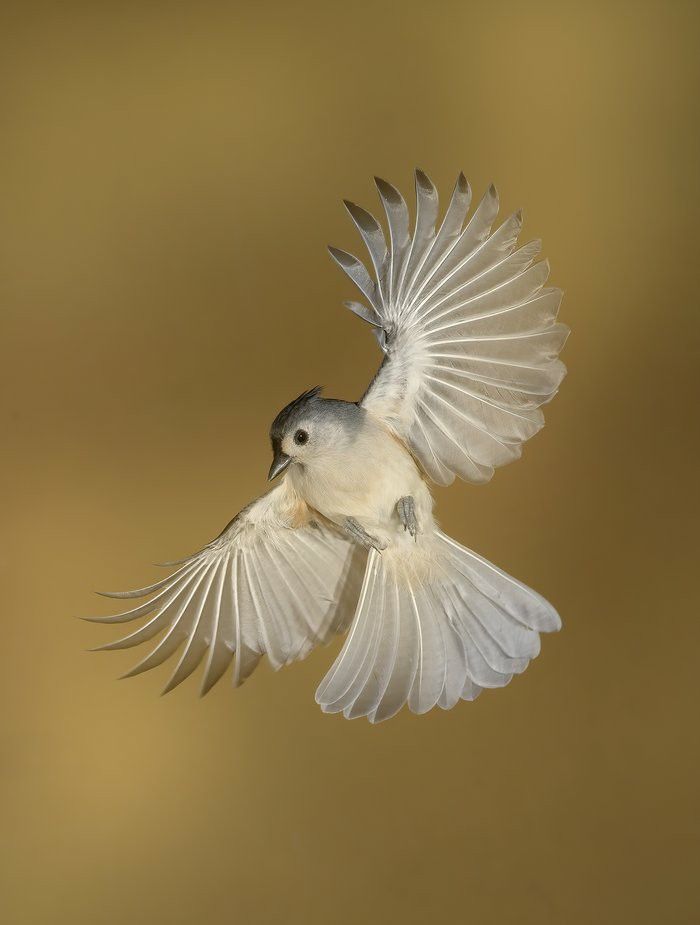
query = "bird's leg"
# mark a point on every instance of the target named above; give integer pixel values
(406, 510)
(358, 533)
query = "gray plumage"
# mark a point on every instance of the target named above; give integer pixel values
(347, 538)
(310, 406)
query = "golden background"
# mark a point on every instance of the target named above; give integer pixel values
(169, 177)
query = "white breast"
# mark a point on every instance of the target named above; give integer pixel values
(365, 481)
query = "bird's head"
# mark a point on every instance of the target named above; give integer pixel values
(308, 427)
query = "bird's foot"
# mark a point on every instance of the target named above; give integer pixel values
(360, 535)
(406, 509)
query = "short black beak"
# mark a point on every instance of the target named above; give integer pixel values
(279, 464)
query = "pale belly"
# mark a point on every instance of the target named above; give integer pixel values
(366, 486)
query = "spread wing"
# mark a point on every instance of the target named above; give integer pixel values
(276, 581)
(467, 327)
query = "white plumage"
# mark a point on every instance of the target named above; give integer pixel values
(348, 539)
(474, 340)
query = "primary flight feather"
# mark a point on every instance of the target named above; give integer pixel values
(346, 541)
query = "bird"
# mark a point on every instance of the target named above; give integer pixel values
(346, 540)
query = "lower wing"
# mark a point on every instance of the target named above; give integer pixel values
(275, 582)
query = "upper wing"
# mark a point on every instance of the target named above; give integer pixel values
(276, 581)
(467, 327)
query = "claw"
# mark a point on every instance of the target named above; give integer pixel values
(406, 509)
(358, 533)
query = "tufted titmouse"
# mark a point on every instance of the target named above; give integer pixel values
(347, 540)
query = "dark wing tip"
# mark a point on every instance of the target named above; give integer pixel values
(387, 191)
(343, 258)
(423, 181)
(362, 218)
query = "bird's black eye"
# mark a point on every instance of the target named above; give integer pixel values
(300, 437)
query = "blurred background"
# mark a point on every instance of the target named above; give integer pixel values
(170, 175)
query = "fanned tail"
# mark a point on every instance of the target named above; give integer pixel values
(430, 629)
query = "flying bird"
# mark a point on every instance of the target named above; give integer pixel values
(346, 540)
